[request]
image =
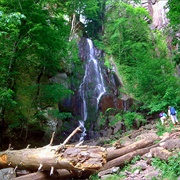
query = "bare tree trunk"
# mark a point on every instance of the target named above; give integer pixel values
(60, 174)
(73, 160)
(33, 176)
(58, 157)
(126, 158)
(112, 154)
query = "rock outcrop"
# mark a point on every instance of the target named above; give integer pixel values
(158, 11)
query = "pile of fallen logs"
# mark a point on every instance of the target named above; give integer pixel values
(72, 161)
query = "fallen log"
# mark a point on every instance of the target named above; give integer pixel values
(68, 157)
(132, 150)
(61, 174)
(74, 158)
(59, 157)
(112, 154)
(126, 158)
(33, 176)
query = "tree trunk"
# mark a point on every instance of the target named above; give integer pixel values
(126, 158)
(33, 176)
(73, 160)
(60, 174)
(112, 154)
(58, 157)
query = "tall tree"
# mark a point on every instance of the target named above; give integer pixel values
(141, 56)
(174, 16)
(34, 47)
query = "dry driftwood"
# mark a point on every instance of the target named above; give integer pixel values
(33, 176)
(126, 158)
(126, 154)
(112, 154)
(72, 160)
(61, 174)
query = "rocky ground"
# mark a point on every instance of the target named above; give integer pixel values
(142, 169)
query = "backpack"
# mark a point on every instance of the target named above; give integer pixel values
(173, 111)
(161, 114)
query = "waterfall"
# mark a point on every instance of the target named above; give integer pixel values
(92, 86)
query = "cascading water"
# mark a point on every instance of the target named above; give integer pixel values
(92, 86)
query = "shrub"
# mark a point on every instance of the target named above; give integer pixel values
(130, 117)
(171, 169)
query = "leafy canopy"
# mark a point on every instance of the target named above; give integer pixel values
(141, 56)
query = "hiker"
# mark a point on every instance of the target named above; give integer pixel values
(163, 117)
(172, 114)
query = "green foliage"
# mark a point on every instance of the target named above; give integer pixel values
(81, 7)
(131, 117)
(61, 116)
(141, 56)
(6, 98)
(117, 118)
(102, 119)
(111, 177)
(135, 159)
(53, 93)
(10, 22)
(129, 120)
(173, 13)
(99, 44)
(171, 169)
(94, 177)
(174, 16)
(176, 56)
(112, 116)
(35, 46)
(107, 64)
(94, 13)
(122, 33)
(110, 111)
(162, 129)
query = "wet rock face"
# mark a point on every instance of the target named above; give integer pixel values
(110, 98)
(110, 101)
(99, 90)
(112, 82)
(83, 46)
